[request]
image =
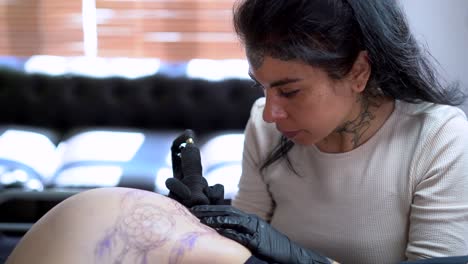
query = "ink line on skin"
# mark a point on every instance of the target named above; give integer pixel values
(142, 227)
(186, 243)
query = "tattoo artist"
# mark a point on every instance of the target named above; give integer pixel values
(356, 154)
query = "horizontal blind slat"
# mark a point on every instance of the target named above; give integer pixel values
(171, 29)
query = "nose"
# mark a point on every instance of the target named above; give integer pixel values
(273, 110)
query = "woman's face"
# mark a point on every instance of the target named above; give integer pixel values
(304, 103)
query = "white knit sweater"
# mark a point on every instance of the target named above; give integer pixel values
(401, 195)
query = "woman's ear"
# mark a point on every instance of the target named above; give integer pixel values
(360, 72)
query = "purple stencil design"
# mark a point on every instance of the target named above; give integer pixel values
(187, 242)
(140, 228)
(190, 239)
(104, 246)
(181, 210)
(147, 226)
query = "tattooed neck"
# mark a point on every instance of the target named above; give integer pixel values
(361, 123)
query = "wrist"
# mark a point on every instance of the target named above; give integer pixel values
(307, 256)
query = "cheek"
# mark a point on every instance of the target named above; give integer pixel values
(311, 114)
(343, 89)
(321, 114)
(336, 110)
(316, 108)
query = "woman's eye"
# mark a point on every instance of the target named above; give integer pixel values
(288, 94)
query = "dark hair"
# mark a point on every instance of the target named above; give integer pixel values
(330, 34)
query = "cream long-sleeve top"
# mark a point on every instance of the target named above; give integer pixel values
(401, 195)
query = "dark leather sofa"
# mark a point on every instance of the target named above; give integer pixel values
(65, 103)
(154, 102)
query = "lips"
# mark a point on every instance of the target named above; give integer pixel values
(290, 134)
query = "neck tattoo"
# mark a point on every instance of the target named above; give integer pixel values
(361, 123)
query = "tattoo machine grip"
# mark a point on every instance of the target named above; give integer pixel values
(193, 177)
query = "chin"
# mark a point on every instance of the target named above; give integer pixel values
(302, 141)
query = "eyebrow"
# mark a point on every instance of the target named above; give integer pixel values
(278, 82)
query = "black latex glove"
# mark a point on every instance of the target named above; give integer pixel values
(188, 186)
(257, 235)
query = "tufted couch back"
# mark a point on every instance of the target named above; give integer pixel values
(154, 102)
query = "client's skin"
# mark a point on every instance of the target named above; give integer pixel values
(120, 225)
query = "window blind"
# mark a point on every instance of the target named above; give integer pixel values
(31, 27)
(172, 30)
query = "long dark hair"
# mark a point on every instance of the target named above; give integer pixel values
(330, 34)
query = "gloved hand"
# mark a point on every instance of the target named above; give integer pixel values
(257, 235)
(188, 186)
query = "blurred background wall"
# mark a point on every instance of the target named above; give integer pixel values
(175, 32)
(442, 25)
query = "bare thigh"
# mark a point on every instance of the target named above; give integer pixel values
(119, 225)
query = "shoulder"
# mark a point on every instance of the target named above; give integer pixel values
(430, 112)
(256, 111)
(435, 120)
(440, 133)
